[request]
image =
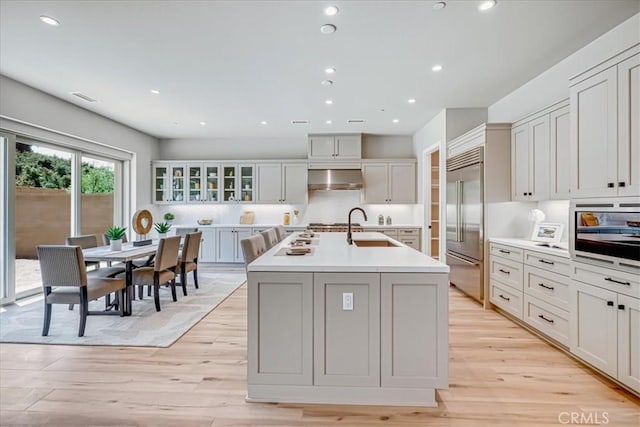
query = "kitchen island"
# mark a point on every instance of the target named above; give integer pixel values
(359, 324)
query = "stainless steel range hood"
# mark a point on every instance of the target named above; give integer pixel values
(335, 179)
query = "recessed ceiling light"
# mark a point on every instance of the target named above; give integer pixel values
(395, 121)
(328, 29)
(49, 20)
(439, 5)
(264, 122)
(331, 10)
(326, 82)
(436, 68)
(328, 122)
(329, 70)
(154, 91)
(486, 5)
(329, 102)
(411, 100)
(203, 123)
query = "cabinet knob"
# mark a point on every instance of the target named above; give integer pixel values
(620, 306)
(530, 194)
(621, 184)
(524, 194)
(610, 185)
(610, 303)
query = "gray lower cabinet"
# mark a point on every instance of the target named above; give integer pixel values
(280, 325)
(346, 341)
(414, 345)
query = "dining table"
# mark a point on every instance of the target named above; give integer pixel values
(127, 255)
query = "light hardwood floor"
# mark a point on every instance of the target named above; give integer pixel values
(500, 374)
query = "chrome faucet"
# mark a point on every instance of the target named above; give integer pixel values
(349, 239)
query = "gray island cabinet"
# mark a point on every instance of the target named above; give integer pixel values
(348, 324)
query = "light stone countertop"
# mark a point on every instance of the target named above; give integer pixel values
(292, 226)
(560, 249)
(333, 254)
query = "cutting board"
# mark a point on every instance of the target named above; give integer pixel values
(247, 217)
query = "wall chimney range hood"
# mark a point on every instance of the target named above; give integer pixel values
(335, 179)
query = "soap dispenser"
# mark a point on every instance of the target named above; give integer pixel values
(380, 219)
(388, 220)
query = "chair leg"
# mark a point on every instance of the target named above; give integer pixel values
(183, 282)
(47, 319)
(140, 291)
(84, 311)
(70, 307)
(107, 301)
(195, 277)
(172, 283)
(156, 295)
(120, 296)
(149, 291)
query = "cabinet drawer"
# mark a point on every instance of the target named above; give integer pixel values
(507, 272)
(393, 233)
(552, 263)
(408, 232)
(506, 298)
(549, 287)
(546, 318)
(410, 241)
(509, 252)
(617, 281)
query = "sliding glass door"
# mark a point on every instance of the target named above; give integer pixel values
(98, 195)
(6, 218)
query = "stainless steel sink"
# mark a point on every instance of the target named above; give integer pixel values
(374, 244)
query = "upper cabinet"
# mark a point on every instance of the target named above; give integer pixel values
(530, 160)
(238, 183)
(559, 153)
(279, 182)
(605, 123)
(335, 147)
(389, 182)
(169, 181)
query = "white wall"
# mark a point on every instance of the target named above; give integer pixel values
(33, 107)
(233, 148)
(461, 120)
(431, 134)
(387, 146)
(553, 84)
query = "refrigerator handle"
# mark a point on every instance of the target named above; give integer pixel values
(459, 220)
(475, 264)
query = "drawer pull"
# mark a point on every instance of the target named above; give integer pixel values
(544, 261)
(609, 279)
(542, 285)
(504, 298)
(610, 303)
(504, 252)
(504, 271)
(544, 318)
(620, 306)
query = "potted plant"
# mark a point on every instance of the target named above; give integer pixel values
(168, 217)
(115, 235)
(162, 228)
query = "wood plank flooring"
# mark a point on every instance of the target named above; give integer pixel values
(500, 374)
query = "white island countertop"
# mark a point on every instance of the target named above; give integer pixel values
(331, 253)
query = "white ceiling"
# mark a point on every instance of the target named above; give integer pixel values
(233, 64)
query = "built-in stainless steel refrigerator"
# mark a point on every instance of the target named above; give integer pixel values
(464, 222)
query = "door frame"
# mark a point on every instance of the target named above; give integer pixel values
(426, 197)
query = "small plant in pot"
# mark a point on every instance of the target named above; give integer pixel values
(162, 228)
(115, 235)
(169, 217)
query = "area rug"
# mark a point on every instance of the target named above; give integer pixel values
(144, 328)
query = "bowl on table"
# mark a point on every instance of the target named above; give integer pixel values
(205, 221)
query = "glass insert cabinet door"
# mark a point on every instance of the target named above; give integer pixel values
(196, 181)
(246, 183)
(212, 192)
(162, 184)
(178, 178)
(229, 176)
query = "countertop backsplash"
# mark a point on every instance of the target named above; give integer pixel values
(323, 206)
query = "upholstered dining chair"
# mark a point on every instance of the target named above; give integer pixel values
(65, 281)
(163, 270)
(281, 232)
(85, 241)
(188, 260)
(183, 231)
(252, 248)
(270, 237)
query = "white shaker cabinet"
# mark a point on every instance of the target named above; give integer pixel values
(389, 182)
(281, 182)
(530, 160)
(335, 147)
(559, 161)
(208, 245)
(605, 128)
(228, 247)
(629, 341)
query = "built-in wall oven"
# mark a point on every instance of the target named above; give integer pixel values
(606, 233)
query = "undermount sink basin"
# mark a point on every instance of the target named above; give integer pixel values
(374, 244)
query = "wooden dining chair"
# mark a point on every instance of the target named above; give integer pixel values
(252, 248)
(270, 237)
(162, 272)
(280, 232)
(65, 281)
(188, 260)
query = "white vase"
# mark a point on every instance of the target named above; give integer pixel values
(162, 235)
(115, 245)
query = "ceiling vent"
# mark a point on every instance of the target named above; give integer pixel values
(83, 96)
(355, 121)
(299, 122)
